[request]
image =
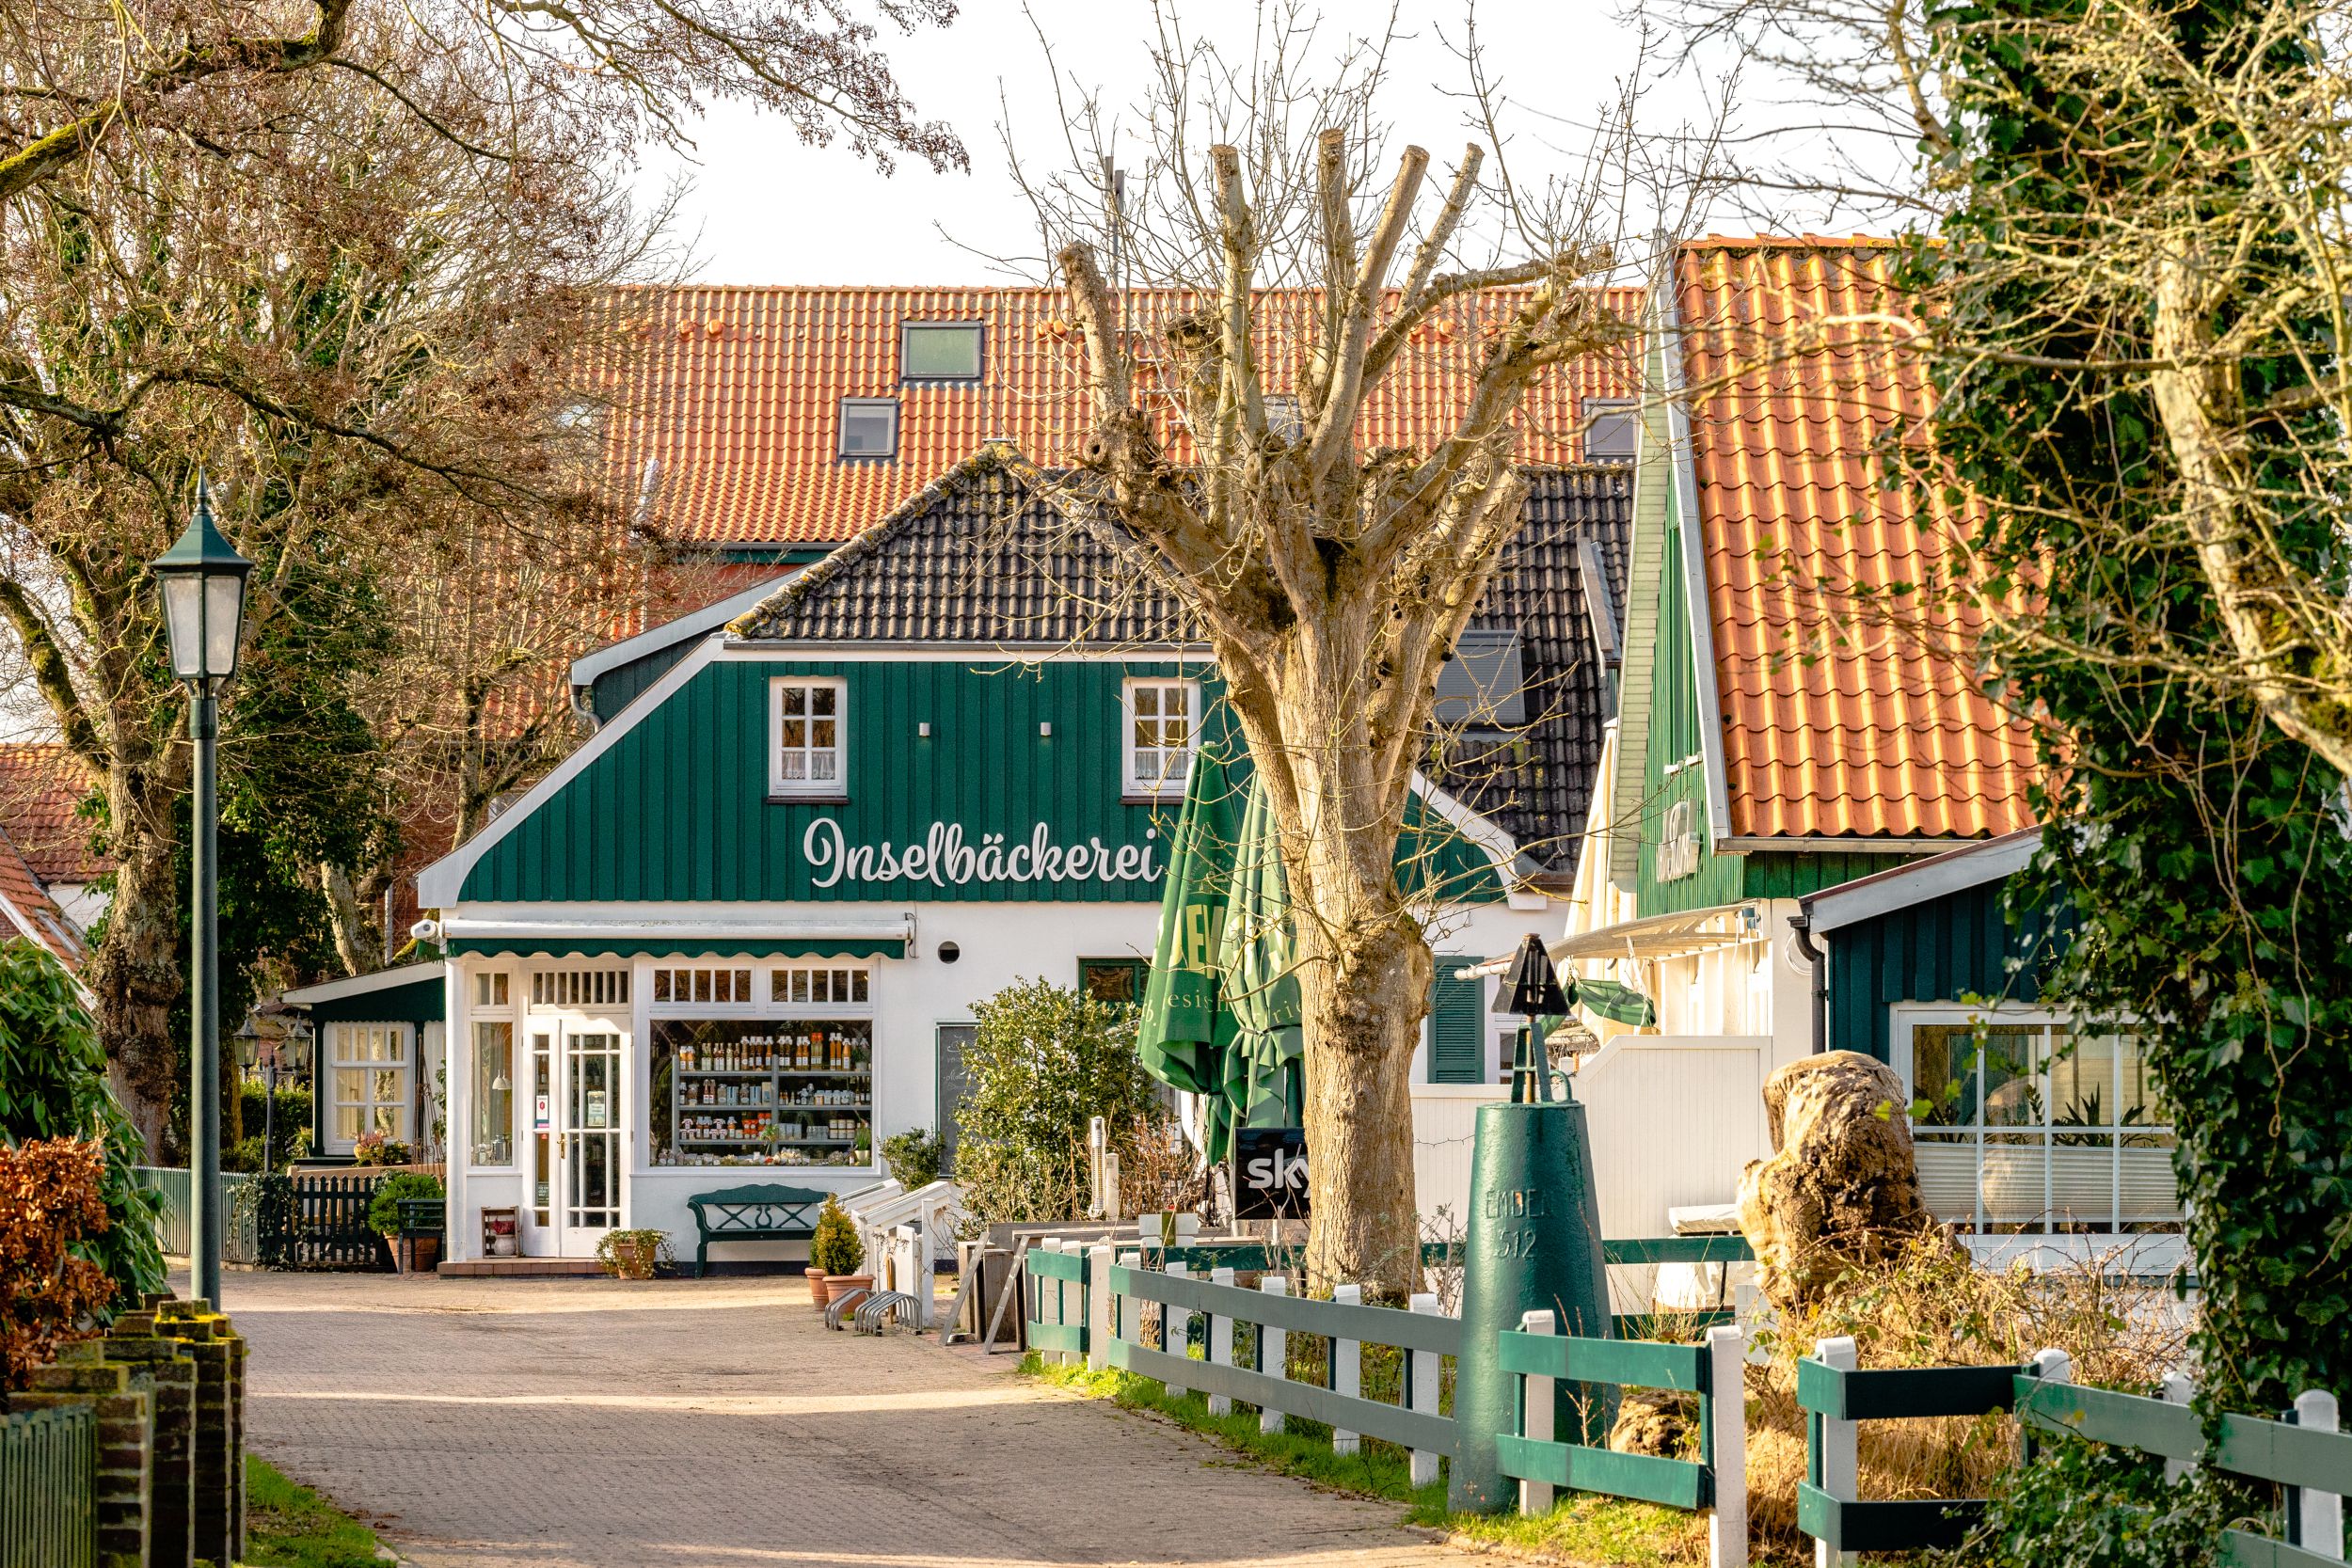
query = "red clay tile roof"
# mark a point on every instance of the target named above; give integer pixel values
(42, 786)
(1797, 365)
(28, 911)
(737, 396)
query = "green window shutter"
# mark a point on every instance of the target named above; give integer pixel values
(1458, 1018)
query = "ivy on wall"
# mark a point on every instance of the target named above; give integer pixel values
(2204, 853)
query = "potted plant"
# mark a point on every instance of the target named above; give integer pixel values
(420, 1254)
(833, 1256)
(913, 1156)
(633, 1254)
(378, 1149)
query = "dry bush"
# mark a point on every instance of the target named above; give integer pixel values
(51, 1197)
(1930, 1306)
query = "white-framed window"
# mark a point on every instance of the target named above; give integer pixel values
(1612, 429)
(370, 1082)
(820, 985)
(1283, 419)
(1162, 726)
(869, 427)
(940, 350)
(808, 735)
(580, 988)
(723, 985)
(2025, 1123)
(493, 1092)
(492, 988)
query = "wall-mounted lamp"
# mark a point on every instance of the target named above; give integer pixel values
(924, 728)
(1046, 728)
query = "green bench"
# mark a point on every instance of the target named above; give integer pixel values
(763, 1211)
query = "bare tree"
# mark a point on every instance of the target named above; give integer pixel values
(82, 77)
(368, 334)
(1225, 462)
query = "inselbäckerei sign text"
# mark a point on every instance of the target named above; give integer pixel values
(947, 858)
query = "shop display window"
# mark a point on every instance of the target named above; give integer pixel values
(765, 1091)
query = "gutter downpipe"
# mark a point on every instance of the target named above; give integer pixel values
(1800, 929)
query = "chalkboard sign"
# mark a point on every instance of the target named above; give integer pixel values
(1269, 1173)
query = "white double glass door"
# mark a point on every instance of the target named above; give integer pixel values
(579, 1114)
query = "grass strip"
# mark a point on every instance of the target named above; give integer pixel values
(289, 1526)
(1583, 1530)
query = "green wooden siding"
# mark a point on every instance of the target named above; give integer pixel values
(1458, 1050)
(1793, 876)
(1674, 772)
(417, 1002)
(1959, 948)
(676, 807)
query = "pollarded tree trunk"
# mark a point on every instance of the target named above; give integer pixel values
(135, 976)
(1332, 586)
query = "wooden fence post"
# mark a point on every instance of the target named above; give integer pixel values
(1129, 1309)
(1098, 1308)
(1728, 1453)
(1420, 1392)
(1274, 1352)
(1176, 1329)
(1535, 1412)
(1221, 1344)
(1347, 1369)
(2050, 1366)
(1834, 1450)
(2178, 1389)
(2319, 1515)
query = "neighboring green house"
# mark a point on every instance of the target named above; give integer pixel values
(745, 924)
(1787, 743)
(377, 1058)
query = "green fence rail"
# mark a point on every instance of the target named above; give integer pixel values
(2304, 1454)
(48, 1486)
(1143, 1310)
(1540, 1357)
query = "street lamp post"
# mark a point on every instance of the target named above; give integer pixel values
(202, 582)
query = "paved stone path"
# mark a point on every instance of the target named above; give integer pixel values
(525, 1423)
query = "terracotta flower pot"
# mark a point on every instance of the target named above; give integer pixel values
(840, 1284)
(817, 1292)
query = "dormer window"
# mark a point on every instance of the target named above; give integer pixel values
(869, 427)
(1283, 421)
(939, 350)
(1612, 429)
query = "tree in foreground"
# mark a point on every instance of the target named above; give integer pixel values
(2139, 396)
(345, 257)
(2132, 275)
(1226, 462)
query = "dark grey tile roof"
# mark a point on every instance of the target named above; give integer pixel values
(1535, 779)
(975, 558)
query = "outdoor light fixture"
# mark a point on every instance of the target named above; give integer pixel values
(201, 580)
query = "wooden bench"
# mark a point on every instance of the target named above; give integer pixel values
(763, 1211)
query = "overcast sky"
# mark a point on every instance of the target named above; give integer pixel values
(767, 210)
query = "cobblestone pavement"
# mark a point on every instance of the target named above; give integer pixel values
(561, 1423)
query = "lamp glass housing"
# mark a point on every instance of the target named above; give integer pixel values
(202, 578)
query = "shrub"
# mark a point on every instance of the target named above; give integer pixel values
(2091, 1506)
(836, 1249)
(51, 1201)
(1045, 1061)
(52, 1085)
(402, 1186)
(1928, 1304)
(290, 1124)
(913, 1156)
